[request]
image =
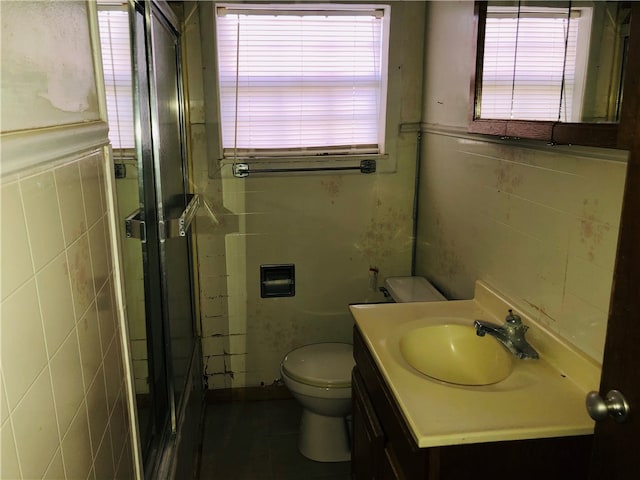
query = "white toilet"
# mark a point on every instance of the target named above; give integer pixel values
(319, 377)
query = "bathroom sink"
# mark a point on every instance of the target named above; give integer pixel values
(455, 354)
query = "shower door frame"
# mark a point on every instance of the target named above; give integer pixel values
(160, 451)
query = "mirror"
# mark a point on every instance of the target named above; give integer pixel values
(551, 70)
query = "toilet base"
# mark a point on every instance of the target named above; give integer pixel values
(324, 439)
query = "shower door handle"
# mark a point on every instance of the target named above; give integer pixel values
(178, 227)
(134, 226)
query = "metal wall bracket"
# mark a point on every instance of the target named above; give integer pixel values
(178, 227)
(172, 228)
(135, 226)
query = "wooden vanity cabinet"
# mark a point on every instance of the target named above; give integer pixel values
(383, 447)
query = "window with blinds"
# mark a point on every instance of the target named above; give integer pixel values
(116, 62)
(531, 59)
(307, 81)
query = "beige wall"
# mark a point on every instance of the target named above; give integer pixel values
(40, 89)
(539, 223)
(332, 227)
(62, 392)
(63, 400)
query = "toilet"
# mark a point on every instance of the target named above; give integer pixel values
(319, 377)
(412, 289)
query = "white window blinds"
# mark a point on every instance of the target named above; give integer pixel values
(116, 61)
(308, 81)
(528, 74)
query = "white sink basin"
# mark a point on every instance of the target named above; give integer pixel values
(455, 354)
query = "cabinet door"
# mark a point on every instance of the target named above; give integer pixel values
(390, 468)
(367, 449)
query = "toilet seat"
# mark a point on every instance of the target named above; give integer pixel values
(326, 365)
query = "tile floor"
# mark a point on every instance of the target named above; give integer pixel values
(257, 440)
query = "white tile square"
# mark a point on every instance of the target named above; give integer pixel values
(103, 466)
(218, 381)
(54, 290)
(44, 224)
(140, 369)
(68, 182)
(76, 446)
(238, 363)
(239, 380)
(97, 408)
(141, 385)
(138, 349)
(215, 364)
(112, 373)
(105, 168)
(55, 471)
(91, 188)
(66, 376)
(36, 431)
(81, 274)
(4, 408)
(214, 324)
(125, 465)
(213, 345)
(90, 349)
(9, 467)
(15, 258)
(589, 282)
(237, 344)
(106, 314)
(99, 255)
(136, 320)
(118, 426)
(21, 326)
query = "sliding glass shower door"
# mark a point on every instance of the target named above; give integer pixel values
(160, 228)
(166, 212)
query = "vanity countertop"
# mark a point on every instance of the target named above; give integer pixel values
(541, 398)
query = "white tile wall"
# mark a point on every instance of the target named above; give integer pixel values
(332, 227)
(539, 223)
(62, 392)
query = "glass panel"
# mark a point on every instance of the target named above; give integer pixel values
(171, 192)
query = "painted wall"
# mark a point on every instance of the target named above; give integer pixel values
(332, 227)
(63, 402)
(539, 223)
(39, 89)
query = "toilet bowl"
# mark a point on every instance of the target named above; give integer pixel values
(319, 377)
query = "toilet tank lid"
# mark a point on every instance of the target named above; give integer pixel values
(412, 289)
(321, 364)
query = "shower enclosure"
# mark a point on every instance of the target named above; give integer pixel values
(158, 249)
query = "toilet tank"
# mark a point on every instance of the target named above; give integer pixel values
(412, 289)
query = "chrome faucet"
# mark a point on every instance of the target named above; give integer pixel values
(511, 335)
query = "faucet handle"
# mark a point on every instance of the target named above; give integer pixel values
(513, 319)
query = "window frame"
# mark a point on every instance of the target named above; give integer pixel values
(570, 63)
(606, 135)
(313, 155)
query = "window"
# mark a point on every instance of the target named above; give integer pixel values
(307, 81)
(116, 61)
(532, 58)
